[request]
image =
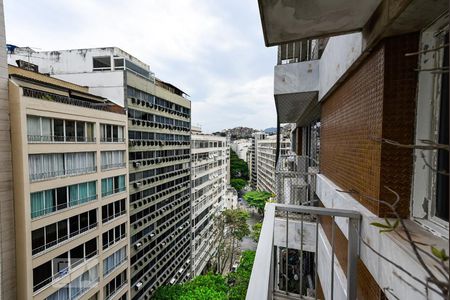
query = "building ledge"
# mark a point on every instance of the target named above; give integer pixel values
(389, 244)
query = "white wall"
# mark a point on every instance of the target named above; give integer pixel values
(339, 54)
(106, 84)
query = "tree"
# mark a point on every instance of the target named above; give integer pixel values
(238, 183)
(238, 167)
(256, 231)
(258, 199)
(236, 226)
(204, 287)
(239, 280)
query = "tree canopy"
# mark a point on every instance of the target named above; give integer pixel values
(238, 167)
(212, 286)
(258, 199)
(238, 183)
(256, 231)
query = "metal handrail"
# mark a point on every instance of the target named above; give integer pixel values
(113, 166)
(33, 138)
(114, 191)
(122, 212)
(64, 272)
(66, 205)
(115, 266)
(112, 140)
(67, 238)
(61, 173)
(261, 285)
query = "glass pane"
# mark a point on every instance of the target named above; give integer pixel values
(70, 131)
(50, 234)
(102, 62)
(58, 129)
(37, 240)
(73, 194)
(46, 129)
(80, 131)
(37, 204)
(61, 196)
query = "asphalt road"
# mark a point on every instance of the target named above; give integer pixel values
(248, 243)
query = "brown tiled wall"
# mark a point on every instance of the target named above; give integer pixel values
(376, 100)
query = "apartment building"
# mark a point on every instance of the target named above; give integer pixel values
(70, 190)
(7, 232)
(376, 79)
(252, 158)
(158, 155)
(266, 155)
(241, 148)
(209, 172)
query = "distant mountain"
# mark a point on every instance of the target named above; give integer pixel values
(270, 130)
(239, 132)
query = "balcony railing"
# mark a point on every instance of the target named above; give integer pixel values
(112, 140)
(59, 139)
(62, 173)
(298, 51)
(113, 166)
(28, 92)
(293, 252)
(295, 179)
(114, 191)
(63, 272)
(52, 209)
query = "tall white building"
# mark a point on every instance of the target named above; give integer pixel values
(265, 157)
(159, 155)
(209, 184)
(241, 147)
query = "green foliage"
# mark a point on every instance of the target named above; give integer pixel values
(239, 280)
(256, 231)
(238, 183)
(211, 286)
(238, 167)
(388, 227)
(258, 199)
(439, 253)
(236, 221)
(204, 287)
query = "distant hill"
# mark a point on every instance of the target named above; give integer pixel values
(239, 132)
(270, 130)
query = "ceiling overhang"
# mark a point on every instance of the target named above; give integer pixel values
(299, 108)
(285, 21)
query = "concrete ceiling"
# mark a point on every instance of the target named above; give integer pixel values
(299, 108)
(291, 20)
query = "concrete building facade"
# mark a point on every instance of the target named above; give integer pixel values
(209, 173)
(266, 155)
(159, 156)
(7, 232)
(241, 147)
(373, 85)
(70, 190)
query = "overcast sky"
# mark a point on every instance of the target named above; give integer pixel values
(211, 49)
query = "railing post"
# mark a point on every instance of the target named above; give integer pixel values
(352, 261)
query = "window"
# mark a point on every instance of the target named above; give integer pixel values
(47, 130)
(112, 159)
(114, 260)
(46, 202)
(115, 285)
(113, 235)
(101, 63)
(113, 185)
(111, 133)
(61, 265)
(118, 63)
(113, 210)
(430, 188)
(56, 233)
(46, 166)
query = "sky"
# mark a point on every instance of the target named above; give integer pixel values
(211, 49)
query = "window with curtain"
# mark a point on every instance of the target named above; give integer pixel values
(113, 185)
(114, 260)
(112, 159)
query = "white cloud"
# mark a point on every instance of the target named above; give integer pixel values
(211, 49)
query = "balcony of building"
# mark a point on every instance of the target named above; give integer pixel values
(308, 269)
(295, 178)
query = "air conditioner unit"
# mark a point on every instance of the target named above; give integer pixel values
(138, 245)
(172, 281)
(137, 184)
(138, 286)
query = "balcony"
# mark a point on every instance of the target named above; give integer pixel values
(296, 83)
(295, 274)
(295, 178)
